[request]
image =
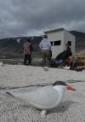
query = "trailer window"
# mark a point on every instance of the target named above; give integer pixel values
(58, 42)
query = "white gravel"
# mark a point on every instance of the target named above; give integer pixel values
(13, 76)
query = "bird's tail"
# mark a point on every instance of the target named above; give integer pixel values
(15, 96)
(10, 94)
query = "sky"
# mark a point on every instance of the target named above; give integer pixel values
(33, 17)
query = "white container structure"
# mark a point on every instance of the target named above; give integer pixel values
(59, 38)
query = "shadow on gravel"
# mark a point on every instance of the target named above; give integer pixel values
(62, 107)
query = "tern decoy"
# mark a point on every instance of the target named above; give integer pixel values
(45, 98)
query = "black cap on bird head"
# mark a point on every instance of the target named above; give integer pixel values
(59, 83)
(62, 83)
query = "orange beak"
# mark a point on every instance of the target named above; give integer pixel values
(70, 87)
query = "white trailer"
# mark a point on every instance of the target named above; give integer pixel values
(59, 38)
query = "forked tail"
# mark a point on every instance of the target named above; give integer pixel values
(10, 94)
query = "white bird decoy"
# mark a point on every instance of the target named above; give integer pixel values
(44, 98)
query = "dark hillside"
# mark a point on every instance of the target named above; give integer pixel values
(10, 48)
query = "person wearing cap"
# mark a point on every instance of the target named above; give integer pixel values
(27, 52)
(45, 47)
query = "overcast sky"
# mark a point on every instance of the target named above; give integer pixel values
(32, 17)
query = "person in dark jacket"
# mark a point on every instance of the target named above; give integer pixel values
(61, 59)
(68, 51)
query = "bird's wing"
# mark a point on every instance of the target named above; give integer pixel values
(44, 98)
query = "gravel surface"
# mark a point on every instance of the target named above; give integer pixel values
(21, 78)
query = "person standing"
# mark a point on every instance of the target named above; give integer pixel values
(68, 50)
(45, 47)
(27, 52)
